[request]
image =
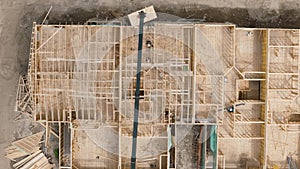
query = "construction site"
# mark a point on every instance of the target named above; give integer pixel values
(210, 95)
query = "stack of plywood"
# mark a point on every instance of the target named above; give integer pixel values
(36, 160)
(23, 147)
(30, 147)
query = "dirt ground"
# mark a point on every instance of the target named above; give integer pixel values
(16, 17)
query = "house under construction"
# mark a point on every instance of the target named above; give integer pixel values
(211, 95)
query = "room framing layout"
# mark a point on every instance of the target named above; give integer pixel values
(212, 95)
